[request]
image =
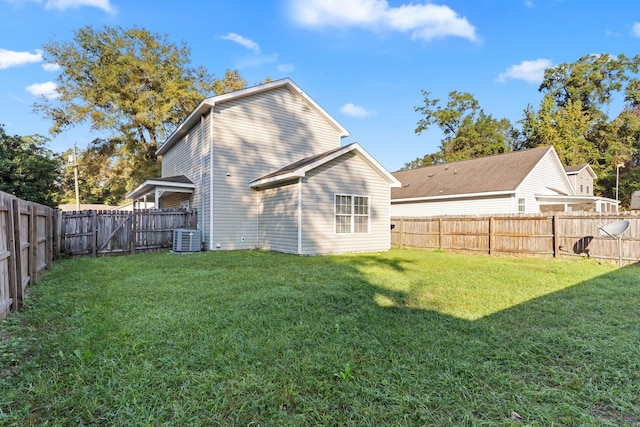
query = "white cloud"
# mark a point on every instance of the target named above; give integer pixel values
(50, 67)
(10, 58)
(74, 4)
(425, 21)
(529, 71)
(635, 29)
(355, 110)
(286, 68)
(242, 41)
(48, 90)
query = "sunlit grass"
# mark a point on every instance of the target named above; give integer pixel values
(259, 338)
(468, 287)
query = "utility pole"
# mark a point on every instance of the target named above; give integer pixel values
(75, 175)
(618, 166)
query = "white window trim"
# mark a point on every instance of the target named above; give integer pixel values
(352, 215)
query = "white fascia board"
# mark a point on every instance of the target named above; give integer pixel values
(279, 178)
(366, 156)
(455, 196)
(149, 187)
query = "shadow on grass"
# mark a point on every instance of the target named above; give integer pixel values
(246, 337)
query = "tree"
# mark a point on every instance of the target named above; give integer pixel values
(133, 83)
(469, 132)
(573, 117)
(29, 170)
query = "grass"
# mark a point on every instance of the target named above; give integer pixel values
(260, 338)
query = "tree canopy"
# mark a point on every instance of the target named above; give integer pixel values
(29, 170)
(573, 116)
(468, 131)
(132, 83)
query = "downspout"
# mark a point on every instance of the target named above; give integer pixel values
(211, 244)
(202, 183)
(300, 216)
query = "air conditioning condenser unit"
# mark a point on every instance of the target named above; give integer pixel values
(186, 240)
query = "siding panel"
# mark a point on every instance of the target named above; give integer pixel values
(254, 136)
(348, 174)
(278, 221)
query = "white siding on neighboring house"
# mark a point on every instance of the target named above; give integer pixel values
(547, 171)
(278, 218)
(456, 206)
(252, 137)
(347, 175)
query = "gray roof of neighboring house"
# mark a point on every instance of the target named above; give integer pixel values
(497, 173)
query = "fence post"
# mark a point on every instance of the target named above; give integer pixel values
(94, 235)
(132, 238)
(440, 233)
(556, 238)
(58, 244)
(401, 232)
(491, 226)
(48, 244)
(11, 247)
(17, 296)
(33, 244)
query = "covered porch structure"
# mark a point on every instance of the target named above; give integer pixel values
(158, 190)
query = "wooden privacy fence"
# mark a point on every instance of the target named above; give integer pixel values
(557, 235)
(103, 233)
(26, 248)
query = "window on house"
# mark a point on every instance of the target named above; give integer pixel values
(521, 205)
(352, 214)
(588, 190)
(581, 189)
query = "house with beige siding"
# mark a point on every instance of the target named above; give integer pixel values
(518, 182)
(265, 168)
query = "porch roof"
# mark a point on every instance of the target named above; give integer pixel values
(174, 184)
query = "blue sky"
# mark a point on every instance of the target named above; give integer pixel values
(364, 61)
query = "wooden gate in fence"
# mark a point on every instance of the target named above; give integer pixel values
(26, 248)
(104, 233)
(560, 235)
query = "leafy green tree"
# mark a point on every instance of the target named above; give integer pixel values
(132, 83)
(468, 131)
(30, 170)
(573, 117)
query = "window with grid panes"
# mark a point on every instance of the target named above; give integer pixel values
(352, 214)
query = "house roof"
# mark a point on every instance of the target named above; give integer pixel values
(207, 104)
(167, 183)
(574, 170)
(299, 168)
(501, 173)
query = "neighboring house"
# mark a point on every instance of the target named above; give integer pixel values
(635, 202)
(581, 178)
(528, 181)
(265, 169)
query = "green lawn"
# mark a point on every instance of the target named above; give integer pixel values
(260, 338)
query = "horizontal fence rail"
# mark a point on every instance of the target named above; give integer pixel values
(108, 233)
(26, 248)
(560, 235)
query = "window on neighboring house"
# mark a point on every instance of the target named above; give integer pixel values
(588, 190)
(521, 205)
(352, 214)
(581, 189)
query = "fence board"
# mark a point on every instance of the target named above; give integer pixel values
(107, 233)
(26, 248)
(570, 235)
